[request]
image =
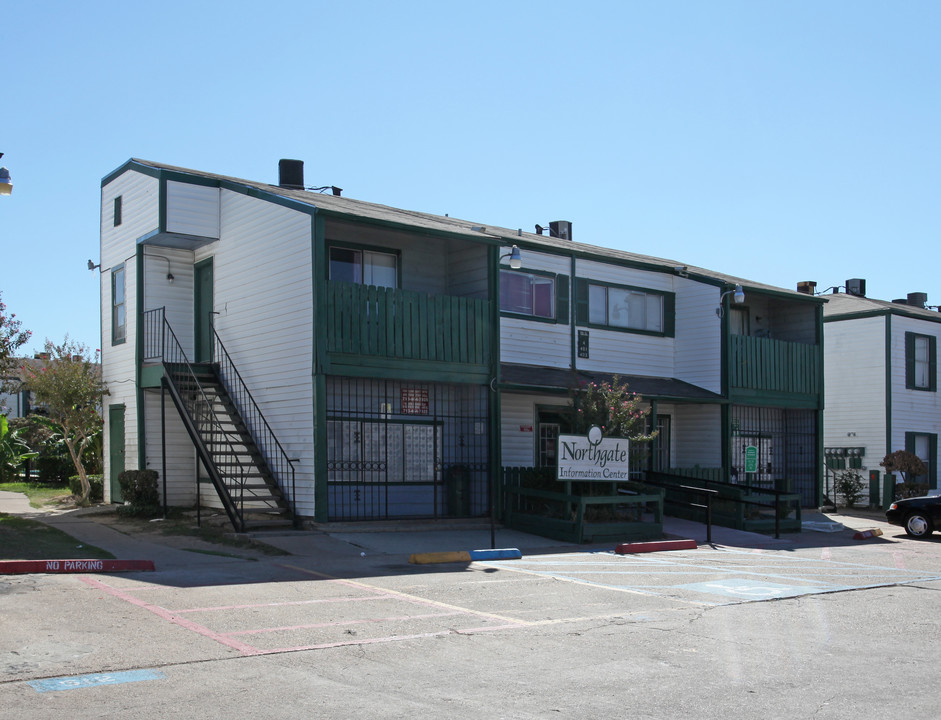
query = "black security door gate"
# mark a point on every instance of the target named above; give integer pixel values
(406, 449)
(787, 449)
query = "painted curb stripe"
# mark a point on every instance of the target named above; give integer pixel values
(14, 567)
(643, 547)
(496, 554)
(440, 557)
(86, 681)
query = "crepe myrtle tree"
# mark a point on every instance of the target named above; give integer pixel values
(613, 408)
(618, 412)
(12, 336)
(68, 390)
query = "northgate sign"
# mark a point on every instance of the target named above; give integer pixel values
(582, 459)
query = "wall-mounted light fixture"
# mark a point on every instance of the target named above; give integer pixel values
(738, 297)
(516, 259)
(6, 182)
(170, 277)
(92, 266)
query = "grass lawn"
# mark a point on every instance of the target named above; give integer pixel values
(40, 494)
(25, 539)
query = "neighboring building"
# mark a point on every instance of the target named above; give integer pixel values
(881, 380)
(16, 402)
(400, 361)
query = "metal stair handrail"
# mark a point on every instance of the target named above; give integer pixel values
(268, 444)
(161, 343)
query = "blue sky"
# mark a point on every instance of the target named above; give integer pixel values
(777, 141)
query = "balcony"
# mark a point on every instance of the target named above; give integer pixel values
(774, 366)
(412, 332)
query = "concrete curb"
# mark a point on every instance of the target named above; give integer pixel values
(655, 546)
(464, 556)
(19, 567)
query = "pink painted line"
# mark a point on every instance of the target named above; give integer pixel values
(275, 604)
(342, 623)
(170, 617)
(825, 554)
(899, 560)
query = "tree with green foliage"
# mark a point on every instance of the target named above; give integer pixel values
(617, 411)
(68, 388)
(613, 408)
(12, 336)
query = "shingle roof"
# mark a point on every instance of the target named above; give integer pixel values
(843, 304)
(360, 209)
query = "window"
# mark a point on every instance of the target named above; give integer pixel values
(551, 422)
(527, 294)
(624, 308)
(117, 210)
(364, 267)
(921, 366)
(925, 446)
(118, 309)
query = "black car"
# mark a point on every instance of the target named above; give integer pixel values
(919, 516)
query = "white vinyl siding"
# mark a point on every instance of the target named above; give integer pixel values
(192, 209)
(263, 296)
(912, 410)
(854, 387)
(697, 435)
(697, 345)
(140, 216)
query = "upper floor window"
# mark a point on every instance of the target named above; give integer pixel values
(527, 294)
(118, 210)
(364, 267)
(624, 307)
(118, 309)
(921, 363)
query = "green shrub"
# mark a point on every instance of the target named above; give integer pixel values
(849, 484)
(97, 493)
(139, 487)
(53, 468)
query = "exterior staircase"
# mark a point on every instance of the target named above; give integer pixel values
(244, 461)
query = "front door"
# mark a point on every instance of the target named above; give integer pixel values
(115, 449)
(202, 302)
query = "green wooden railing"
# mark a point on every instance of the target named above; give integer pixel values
(765, 364)
(384, 322)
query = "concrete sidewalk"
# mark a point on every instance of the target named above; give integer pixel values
(340, 541)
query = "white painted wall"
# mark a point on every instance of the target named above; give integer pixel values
(263, 294)
(854, 386)
(192, 209)
(912, 410)
(697, 346)
(140, 197)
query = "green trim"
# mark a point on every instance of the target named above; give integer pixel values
(138, 362)
(560, 310)
(821, 389)
(151, 376)
(122, 268)
(405, 369)
(328, 244)
(911, 339)
(319, 379)
(768, 398)
(725, 412)
(496, 394)
(932, 454)
(900, 311)
(162, 204)
(888, 384)
(582, 308)
(573, 339)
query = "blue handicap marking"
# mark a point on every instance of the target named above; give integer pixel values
(94, 680)
(751, 589)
